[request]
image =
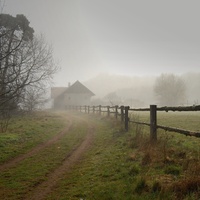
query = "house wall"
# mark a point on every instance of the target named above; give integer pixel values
(58, 103)
(77, 99)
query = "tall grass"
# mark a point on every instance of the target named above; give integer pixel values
(119, 165)
(127, 166)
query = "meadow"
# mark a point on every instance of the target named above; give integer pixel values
(117, 165)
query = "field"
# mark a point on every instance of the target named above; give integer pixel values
(78, 156)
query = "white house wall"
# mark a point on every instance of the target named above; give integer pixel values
(77, 99)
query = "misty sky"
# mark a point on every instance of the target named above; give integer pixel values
(129, 37)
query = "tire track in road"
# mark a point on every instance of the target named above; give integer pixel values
(35, 150)
(43, 189)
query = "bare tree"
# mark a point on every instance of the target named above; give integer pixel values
(26, 61)
(170, 90)
(34, 99)
(113, 98)
(2, 5)
(14, 34)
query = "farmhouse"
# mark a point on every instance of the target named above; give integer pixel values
(75, 94)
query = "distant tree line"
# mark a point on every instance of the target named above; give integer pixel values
(26, 66)
(165, 90)
(170, 90)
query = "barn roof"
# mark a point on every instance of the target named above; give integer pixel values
(78, 88)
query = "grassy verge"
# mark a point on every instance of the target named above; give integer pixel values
(118, 166)
(16, 182)
(28, 131)
(126, 166)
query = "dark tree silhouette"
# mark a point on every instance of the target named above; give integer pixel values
(26, 62)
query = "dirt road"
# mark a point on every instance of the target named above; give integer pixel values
(72, 158)
(42, 189)
(15, 161)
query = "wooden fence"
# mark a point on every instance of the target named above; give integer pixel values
(122, 112)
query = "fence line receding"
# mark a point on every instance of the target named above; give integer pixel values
(122, 112)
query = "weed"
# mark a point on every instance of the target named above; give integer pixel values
(156, 186)
(192, 166)
(138, 130)
(181, 154)
(141, 186)
(186, 187)
(169, 160)
(134, 170)
(174, 170)
(132, 157)
(146, 160)
(138, 139)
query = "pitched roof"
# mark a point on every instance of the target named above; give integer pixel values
(78, 87)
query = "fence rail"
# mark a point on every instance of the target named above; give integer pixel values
(123, 112)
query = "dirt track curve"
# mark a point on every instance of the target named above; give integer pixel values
(43, 189)
(35, 150)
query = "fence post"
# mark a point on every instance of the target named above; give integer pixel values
(88, 109)
(108, 111)
(85, 109)
(116, 111)
(93, 108)
(122, 113)
(99, 109)
(153, 122)
(126, 118)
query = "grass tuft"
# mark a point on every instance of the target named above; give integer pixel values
(156, 187)
(174, 170)
(187, 187)
(134, 170)
(141, 186)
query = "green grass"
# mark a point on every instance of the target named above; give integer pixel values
(107, 171)
(116, 168)
(119, 165)
(101, 175)
(35, 169)
(26, 132)
(19, 180)
(183, 120)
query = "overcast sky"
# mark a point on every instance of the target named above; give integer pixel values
(129, 37)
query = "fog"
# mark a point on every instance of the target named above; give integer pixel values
(125, 37)
(137, 91)
(119, 47)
